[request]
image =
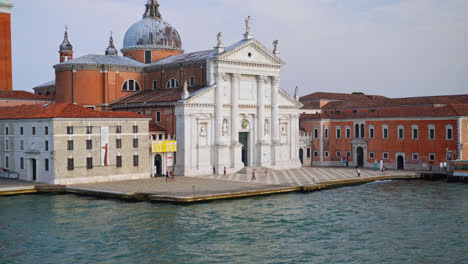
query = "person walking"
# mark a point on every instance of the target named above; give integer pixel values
(172, 175)
(358, 171)
(214, 170)
(266, 172)
(253, 175)
(225, 170)
(167, 175)
(347, 164)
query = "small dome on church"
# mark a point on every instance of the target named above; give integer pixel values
(152, 32)
(111, 50)
(66, 46)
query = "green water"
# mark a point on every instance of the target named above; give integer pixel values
(386, 222)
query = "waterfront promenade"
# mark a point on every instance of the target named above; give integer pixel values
(214, 187)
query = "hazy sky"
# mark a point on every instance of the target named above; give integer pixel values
(390, 47)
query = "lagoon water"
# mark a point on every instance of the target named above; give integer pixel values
(383, 222)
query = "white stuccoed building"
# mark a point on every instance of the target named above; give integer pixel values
(242, 118)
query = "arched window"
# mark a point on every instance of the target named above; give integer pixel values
(131, 86)
(172, 83)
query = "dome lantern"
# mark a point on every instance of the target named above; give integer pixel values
(152, 10)
(66, 48)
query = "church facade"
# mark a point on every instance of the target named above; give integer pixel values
(242, 118)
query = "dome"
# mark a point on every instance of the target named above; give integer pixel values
(152, 32)
(66, 46)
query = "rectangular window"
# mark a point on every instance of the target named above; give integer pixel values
(34, 130)
(326, 153)
(7, 162)
(46, 130)
(385, 133)
(21, 130)
(401, 133)
(315, 133)
(315, 154)
(46, 143)
(415, 133)
(135, 129)
(155, 84)
(46, 164)
(147, 56)
(6, 131)
(371, 133)
(371, 155)
(119, 161)
(338, 133)
(449, 133)
(415, 156)
(432, 157)
(89, 130)
(22, 163)
(70, 164)
(70, 130)
(326, 132)
(7, 145)
(192, 81)
(89, 163)
(70, 144)
(89, 144)
(338, 154)
(431, 133)
(135, 143)
(158, 117)
(348, 154)
(135, 160)
(308, 152)
(385, 155)
(118, 130)
(348, 132)
(21, 145)
(118, 143)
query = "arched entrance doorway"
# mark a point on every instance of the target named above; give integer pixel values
(301, 156)
(400, 162)
(360, 156)
(244, 140)
(158, 165)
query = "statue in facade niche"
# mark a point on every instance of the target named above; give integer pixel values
(267, 128)
(225, 127)
(202, 130)
(283, 129)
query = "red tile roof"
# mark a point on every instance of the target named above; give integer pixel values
(21, 95)
(389, 112)
(59, 110)
(341, 96)
(399, 102)
(156, 128)
(152, 96)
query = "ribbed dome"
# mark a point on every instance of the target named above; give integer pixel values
(152, 32)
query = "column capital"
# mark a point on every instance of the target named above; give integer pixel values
(263, 78)
(221, 76)
(235, 76)
(275, 80)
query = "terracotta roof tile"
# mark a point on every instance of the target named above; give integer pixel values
(340, 96)
(21, 95)
(156, 127)
(59, 110)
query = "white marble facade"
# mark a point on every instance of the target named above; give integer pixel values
(242, 119)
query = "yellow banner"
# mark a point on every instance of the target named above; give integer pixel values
(164, 146)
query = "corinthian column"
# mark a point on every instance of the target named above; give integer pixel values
(274, 108)
(219, 108)
(235, 107)
(261, 80)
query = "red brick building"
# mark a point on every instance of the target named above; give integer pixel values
(153, 59)
(5, 45)
(406, 133)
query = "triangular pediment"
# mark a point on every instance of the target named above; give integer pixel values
(286, 100)
(250, 51)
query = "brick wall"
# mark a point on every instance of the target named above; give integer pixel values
(5, 52)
